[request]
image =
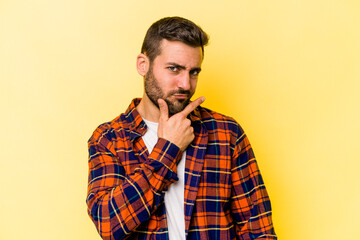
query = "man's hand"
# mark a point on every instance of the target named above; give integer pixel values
(177, 129)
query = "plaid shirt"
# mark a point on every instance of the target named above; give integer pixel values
(224, 193)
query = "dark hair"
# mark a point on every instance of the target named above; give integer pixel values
(173, 29)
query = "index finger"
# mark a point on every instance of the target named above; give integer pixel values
(191, 106)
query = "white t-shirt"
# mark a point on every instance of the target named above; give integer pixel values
(174, 197)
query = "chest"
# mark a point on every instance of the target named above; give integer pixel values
(208, 159)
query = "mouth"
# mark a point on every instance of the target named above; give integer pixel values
(181, 96)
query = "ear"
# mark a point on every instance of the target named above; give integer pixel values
(142, 64)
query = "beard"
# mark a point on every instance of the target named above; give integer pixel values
(154, 92)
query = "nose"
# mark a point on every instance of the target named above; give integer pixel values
(184, 81)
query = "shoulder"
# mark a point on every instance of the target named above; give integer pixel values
(108, 130)
(217, 121)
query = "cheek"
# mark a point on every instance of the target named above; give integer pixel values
(162, 79)
(193, 84)
(169, 83)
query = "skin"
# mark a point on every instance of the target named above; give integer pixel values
(170, 82)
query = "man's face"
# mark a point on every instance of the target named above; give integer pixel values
(173, 75)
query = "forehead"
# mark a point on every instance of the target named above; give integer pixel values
(180, 53)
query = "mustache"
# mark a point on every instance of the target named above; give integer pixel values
(179, 91)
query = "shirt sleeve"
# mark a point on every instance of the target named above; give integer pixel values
(250, 201)
(118, 202)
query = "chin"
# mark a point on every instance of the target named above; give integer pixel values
(178, 106)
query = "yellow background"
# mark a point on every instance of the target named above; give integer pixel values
(288, 71)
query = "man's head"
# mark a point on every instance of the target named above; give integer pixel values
(170, 61)
(172, 29)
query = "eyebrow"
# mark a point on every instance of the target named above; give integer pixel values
(183, 67)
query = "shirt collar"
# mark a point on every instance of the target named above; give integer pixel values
(195, 116)
(136, 124)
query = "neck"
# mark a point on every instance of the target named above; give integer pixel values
(148, 110)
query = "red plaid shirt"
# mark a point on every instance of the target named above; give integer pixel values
(224, 193)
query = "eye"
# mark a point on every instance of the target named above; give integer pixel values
(173, 69)
(194, 72)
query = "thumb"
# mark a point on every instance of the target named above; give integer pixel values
(164, 111)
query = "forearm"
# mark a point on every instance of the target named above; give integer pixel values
(251, 206)
(118, 205)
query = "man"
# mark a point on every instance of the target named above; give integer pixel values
(168, 168)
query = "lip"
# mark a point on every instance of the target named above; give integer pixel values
(180, 96)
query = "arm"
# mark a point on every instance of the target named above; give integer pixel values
(250, 202)
(118, 203)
